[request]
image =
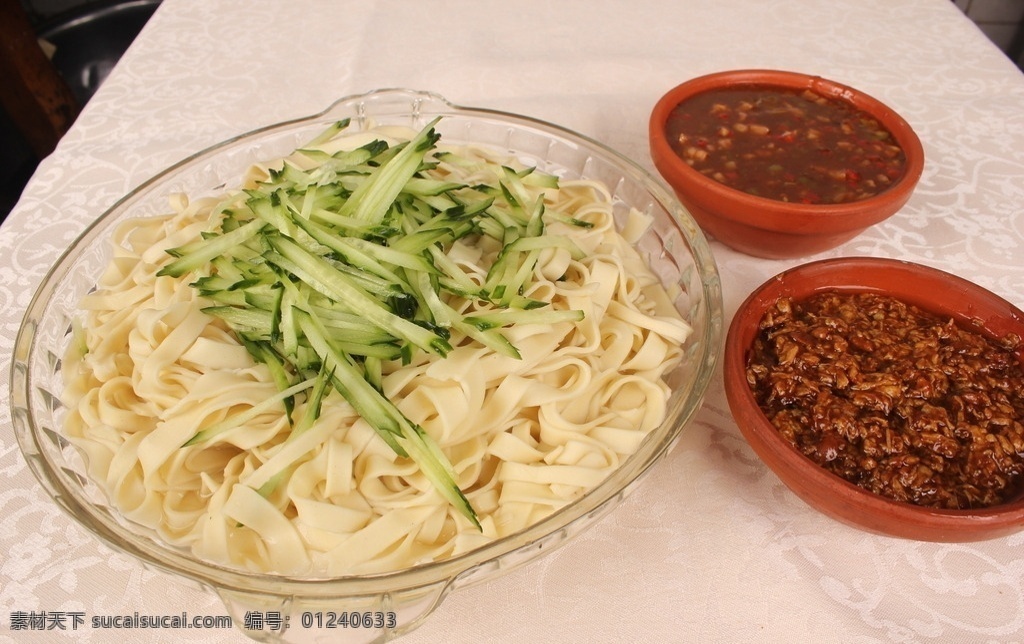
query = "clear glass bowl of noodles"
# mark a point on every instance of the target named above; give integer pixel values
(673, 245)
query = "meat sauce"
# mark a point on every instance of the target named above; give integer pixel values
(894, 399)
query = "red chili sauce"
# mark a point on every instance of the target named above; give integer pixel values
(787, 145)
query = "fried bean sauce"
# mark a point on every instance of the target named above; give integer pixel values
(894, 399)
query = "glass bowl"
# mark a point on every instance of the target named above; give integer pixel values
(674, 246)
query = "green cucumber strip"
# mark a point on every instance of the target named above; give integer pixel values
(374, 197)
(225, 297)
(241, 418)
(430, 301)
(368, 402)
(414, 261)
(373, 371)
(357, 252)
(313, 404)
(328, 133)
(547, 241)
(268, 207)
(312, 414)
(514, 286)
(468, 204)
(376, 351)
(343, 160)
(436, 467)
(505, 317)
(324, 278)
(429, 187)
(202, 253)
(452, 276)
(264, 354)
(249, 319)
(387, 420)
(489, 337)
(350, 225)
(289, 329)
(533, 177)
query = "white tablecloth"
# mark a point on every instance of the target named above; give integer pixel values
(711, 547)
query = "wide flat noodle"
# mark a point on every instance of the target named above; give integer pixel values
(525, 437)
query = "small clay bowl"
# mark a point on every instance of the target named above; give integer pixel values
(932, 290)
(770, 227)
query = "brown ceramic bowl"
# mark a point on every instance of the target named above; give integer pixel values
(929, 289)
(767, 227)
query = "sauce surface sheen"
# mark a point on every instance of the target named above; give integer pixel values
(787, 145)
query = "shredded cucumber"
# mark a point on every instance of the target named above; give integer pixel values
(327, 273)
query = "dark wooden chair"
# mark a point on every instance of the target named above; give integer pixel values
(36, 98)
(1016, 49)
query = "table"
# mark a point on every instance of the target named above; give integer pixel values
(711, 547)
